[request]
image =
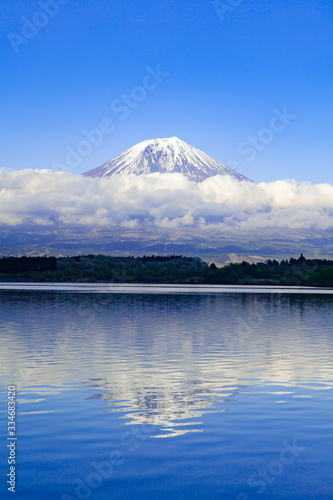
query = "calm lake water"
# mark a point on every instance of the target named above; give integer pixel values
(168, 393)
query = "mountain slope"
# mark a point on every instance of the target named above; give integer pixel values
(165, 156)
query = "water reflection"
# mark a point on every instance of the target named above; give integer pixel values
(165, 360)
(169, 408)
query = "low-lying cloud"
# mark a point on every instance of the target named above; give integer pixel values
(44, 198)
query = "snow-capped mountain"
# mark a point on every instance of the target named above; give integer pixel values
(165, 156)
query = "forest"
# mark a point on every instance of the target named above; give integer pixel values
(166, 269)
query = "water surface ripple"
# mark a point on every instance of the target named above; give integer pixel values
(199, 393)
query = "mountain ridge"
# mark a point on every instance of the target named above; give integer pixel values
(166, 155)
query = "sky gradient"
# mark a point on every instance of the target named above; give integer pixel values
(248, 82)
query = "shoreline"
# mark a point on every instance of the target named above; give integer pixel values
(159, 288)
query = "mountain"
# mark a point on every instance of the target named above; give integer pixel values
(165, 156)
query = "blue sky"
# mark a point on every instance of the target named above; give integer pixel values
(249, 82)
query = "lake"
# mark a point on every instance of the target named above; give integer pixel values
(159, 392)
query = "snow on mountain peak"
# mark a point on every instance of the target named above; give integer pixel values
(165, 156)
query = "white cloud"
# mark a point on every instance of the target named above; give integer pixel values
(40, 198)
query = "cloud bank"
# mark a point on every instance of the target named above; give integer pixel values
(45, 198)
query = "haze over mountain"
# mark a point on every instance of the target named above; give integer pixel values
(165, 156)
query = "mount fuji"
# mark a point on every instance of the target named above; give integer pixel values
(165, 156)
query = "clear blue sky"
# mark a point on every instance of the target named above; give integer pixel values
(229, 67)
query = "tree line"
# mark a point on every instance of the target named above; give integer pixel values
(167, 269)
(10, 265)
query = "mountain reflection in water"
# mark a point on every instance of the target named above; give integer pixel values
(166, 360)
